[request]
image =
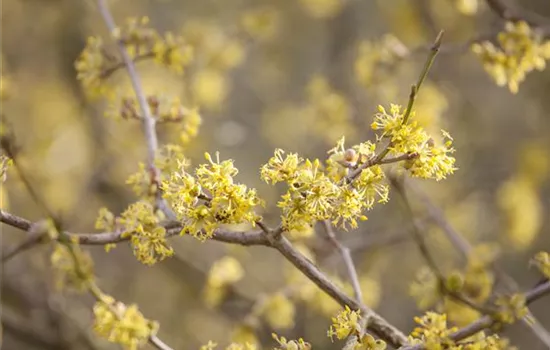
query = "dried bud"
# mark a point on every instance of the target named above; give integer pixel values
(350, 155)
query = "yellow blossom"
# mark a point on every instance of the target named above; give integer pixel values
(345, 324)
(278, 311)
(521, 49)
(122, 324)
(74, 268)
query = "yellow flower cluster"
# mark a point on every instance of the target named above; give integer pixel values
(210, 198)
(167, 159)
(518, 199)
(345, 324)
(245, 333)
(167, 49)
(511, 308)
(348, 323)
(285, 344)
(96, 63)
(122, 324)
(475, 282)
(432, 332)
(5, 164)
(233, 346)
(278, 310)
(520, 50)
(74, 268)
(314, 194)
(92, 65)
(492, 342)
(430, 161)
(163, 108)
(223, 273)
(148, 238)
(542, 261)
(141, 223)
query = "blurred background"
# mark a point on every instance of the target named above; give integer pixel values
(301, 75)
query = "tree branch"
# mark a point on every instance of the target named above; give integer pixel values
(148, 121)
(348, 261)
(486, 322)
(465, 249)
(245, 238)
(377, 324)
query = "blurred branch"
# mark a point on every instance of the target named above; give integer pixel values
(465, 249)
(148, 121)
(354, 279)
(348, 261)
(141, 57)
(41, 230)
(486, 322)
(508, 13)
(397, 183)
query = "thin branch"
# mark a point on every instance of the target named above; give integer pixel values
(354, 279)
(486, 322)
(377, 324)
(39, 230)
(246, 238)
(148, 121)
(430, 260)
(378, 159)
(348, 261)
(506, 12)
(465, 249)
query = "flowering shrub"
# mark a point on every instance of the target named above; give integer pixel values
(209, 203)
